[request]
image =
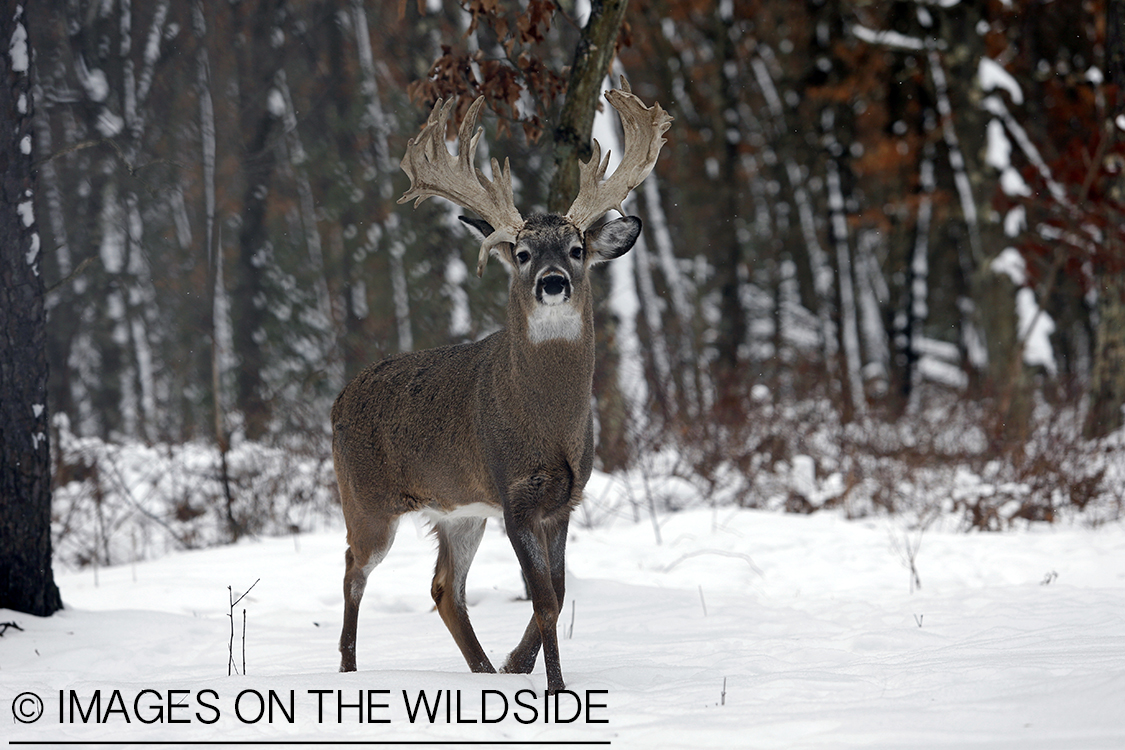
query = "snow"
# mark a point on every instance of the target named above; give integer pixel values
(1035, 329)
(892, 39)
(93, 81)
(26, 210)
(942, 371)
(993, 76)
(999, 152)
(275, 103)
(1012, 183)
(744, 628)
(996, 106)
(1011, 263)
(33, 251)
(1015, 221)
(17, 46)
(109, 123)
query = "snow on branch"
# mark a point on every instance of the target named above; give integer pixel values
(890, 39)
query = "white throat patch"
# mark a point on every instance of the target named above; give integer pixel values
(548, 322)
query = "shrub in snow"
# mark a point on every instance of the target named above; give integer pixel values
(117, 502)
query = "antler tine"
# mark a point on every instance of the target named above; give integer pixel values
(434, 171)
(644, 128)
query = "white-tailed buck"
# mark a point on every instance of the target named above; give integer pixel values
(500, 426)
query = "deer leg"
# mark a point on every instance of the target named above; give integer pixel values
(457, 544)
(537, 551)
(522, 658)
(366, 549)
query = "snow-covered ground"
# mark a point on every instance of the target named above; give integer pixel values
(740, 629)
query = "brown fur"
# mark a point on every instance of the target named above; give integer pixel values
(501, 421)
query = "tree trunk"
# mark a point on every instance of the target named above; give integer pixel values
(592, 57)
(260, 126)
(576, 121)
(732, 329)
(1107, 391)
(27, 582)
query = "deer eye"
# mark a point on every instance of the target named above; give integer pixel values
(523, 256)
(576, 252)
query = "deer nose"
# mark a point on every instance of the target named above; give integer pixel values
(553, 288)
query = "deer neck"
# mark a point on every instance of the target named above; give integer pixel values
(552, 367)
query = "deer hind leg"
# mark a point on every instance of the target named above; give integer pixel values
(367, 546)
(458, 540)
(542, 554)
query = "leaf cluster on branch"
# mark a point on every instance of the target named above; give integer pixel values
(513, 68)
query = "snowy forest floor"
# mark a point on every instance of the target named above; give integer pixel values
(743, 628)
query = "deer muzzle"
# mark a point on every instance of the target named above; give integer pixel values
(552, 288)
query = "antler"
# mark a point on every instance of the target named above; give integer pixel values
(643, 127)
(434, 171)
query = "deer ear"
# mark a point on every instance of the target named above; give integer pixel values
(612, 239)
(479, 227)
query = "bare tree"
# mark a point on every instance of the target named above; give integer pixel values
(26, 581)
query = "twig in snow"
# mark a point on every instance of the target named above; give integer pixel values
(907, 550)
(1049, 578)
(5, 625)
(230, 647)
(724, 553)
(723, 695)
(702, 601)
(570, 630)
(918, 619)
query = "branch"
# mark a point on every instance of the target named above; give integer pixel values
(737, 555)
(129, 166)
(236, 601)
(73, 274)
(5, 625)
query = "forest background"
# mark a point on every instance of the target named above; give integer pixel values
(882, 264)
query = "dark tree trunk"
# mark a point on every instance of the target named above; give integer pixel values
(1107, 391)
(257, 66)
(576, 121)
(732, 329)
(592, 57)
(27, 583)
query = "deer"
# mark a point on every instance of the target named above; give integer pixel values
(502, 426)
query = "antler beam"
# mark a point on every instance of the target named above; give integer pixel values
(434, 171)
(644, 128)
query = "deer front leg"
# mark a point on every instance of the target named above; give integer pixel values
(540, 549)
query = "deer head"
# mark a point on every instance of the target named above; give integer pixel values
(434, 171)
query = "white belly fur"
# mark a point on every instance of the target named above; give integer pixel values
(472, 510)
